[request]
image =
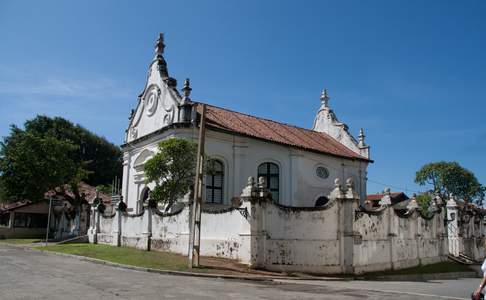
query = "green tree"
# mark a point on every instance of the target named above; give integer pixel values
(103, 159)
(172, 170)
(3, 192)
(450, 177)
(423, 201)
(51, 152)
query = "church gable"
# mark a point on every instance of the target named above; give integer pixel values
(327, 122)
(158, 103)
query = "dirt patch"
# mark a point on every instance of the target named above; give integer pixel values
(231, 267)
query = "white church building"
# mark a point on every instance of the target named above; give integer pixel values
(299, 164)
(316, 219)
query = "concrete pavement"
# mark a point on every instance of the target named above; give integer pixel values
(27, 274)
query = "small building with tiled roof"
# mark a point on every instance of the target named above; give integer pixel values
(395, 197)
(29, 218)
(299, 164)
(23, 219)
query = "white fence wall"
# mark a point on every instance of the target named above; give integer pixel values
(298, 239)
(387, 240)
(337, 238)
(224, 233)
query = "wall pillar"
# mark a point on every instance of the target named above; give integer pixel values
(91, 224)
(392, 234)
(419, 236)
(452, 227)
(116, 232)
(147, 227)
(348, 205)
(443, 235)
(94, 229)
(254, 198)
(258, 236)
(481, 252)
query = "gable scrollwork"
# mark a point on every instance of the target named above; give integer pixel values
(151, 99)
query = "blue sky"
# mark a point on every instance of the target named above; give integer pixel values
(412, 73)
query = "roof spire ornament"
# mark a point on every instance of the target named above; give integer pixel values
(159, 45)
(185, 107)
(186, 90)
(361, 137)
(325, 98)
(160, 61)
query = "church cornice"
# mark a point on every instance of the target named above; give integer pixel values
(141, 139)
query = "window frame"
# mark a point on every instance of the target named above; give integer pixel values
(268, 177)
(213, 187)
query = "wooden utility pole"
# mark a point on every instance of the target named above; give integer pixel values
(48, 219)
(195, 234)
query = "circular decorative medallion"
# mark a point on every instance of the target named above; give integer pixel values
(152, 100)
(322, 172)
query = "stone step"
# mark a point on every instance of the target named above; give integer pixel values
(461, 260)
(467, 257)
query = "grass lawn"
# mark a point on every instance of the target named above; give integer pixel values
(127, 256)
(177, 262)
(20, 241)
(441, 267)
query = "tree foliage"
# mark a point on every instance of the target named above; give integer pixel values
(451, 177)
(103, 159)
(424, 201)
(172, 170)
(3, 192)
(51, 152)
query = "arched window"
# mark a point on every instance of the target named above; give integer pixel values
(271, 174)
(144, 195)
(214, 182)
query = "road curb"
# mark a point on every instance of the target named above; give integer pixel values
(422, 277)
(158, 271)
(260, 278)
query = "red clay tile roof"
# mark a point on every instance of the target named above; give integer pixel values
(14, 205)
(84, 188)
(375, 197)
(227, 120)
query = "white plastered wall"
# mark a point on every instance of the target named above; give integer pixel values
(298, 183)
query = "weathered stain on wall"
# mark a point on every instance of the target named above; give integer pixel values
(301, 239)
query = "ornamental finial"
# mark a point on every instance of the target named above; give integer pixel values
(324, 98)
(159, 45)
(361, 137)
(186, 89)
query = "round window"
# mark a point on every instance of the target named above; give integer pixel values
(322, 172)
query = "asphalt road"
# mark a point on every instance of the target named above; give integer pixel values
(32, 275)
